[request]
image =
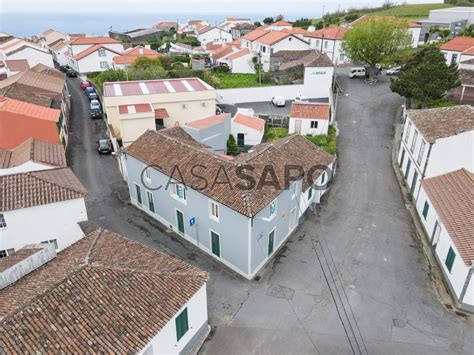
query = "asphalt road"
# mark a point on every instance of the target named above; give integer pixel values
(352, 279)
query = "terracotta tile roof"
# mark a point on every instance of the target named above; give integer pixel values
(92, 40)
(16, 257)
(14, 107)
(134, 108)
(452, 196)
(213, 46)
(32, 80)
(169, 152)
(129, 56)
(41, 68)
(273, 37)
(469, 51)
(60, 44)
(91, 50)
(253, 35)
(37, 188)
(207, 28)
(103, 294)
(208, 121)
(238, 54)
(309, 110)
(161, 113)
(33, 150)
(333, 33)
(165, 24)
(444, 122)
(281, 23)
(458, 44)
(308, 58)
(17, 64)
(222, 52)
(255, 123)
(295, 31)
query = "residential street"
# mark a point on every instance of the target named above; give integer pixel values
(352, 279)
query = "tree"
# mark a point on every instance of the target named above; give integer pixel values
(280, 17)
(376, 41)
(232, 147)
(268, 20)
(426, 77)
(468, 31)
(257, 23)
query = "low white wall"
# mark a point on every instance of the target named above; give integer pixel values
(258, 94)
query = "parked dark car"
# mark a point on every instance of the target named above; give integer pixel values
(104, 147)
(71, 73)
(90, 92)
(64, 68)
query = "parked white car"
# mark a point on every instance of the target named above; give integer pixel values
(278, 101)
(394, 71)
(301, 98)
(357, 72)
(95, 104)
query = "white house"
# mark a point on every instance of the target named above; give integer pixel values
(217, 202)
(59, 49)
(434, 142)
(309, 118)
(459, 49)
(130, 55)
(213, 34)
(51, 201)
(229, 23)
(116, 295)
(281, 25)
(211, 131)
(247, 129)
(32, 155)
(445, 207)
(329, 41)
(275, 41)
(52, 36)
(17, 49)
(93, 54)
(240, 61)
(249, 40)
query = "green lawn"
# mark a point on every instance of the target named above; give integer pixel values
(275, 133)
(411, 12)
(233, 81)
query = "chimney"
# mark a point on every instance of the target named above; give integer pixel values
(24, 261)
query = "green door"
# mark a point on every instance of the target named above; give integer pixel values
(215, 244)
(180, 218)
(151, 203)
(271, 242)
(139, 194)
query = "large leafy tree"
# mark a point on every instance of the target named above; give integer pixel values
(376, 40)
(426, 77)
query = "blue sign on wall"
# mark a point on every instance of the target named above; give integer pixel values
(192, 221)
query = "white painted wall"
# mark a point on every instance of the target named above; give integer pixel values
(323, 126)
(33, 57)
(415, 33)
(290, 43)
(165, 342)
(28, 166)
(452, 56)
(215, 35)
(243, 65)
(251, 136)
(92, 62)
(40, 223)
(332, 48)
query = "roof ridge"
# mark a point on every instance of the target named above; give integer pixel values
(55, 183)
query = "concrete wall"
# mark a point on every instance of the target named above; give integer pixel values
(243, 65)
(290, 43)
(251, 136)
(165, 342)
(453, 14)
(214, 136)
(33, 57)
(133, 127)
(216, 36)
(46, 222)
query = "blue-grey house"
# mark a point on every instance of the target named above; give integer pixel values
(238, 209)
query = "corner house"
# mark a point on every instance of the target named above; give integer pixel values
(236, 209)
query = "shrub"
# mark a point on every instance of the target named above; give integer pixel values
(221, 69)
(232, 147)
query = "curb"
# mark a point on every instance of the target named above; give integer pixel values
(438, 281)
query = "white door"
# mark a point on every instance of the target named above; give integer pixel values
(298, 126)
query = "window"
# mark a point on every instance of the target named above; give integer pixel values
(323, 178)
(314, 124)
(317, 43)
(342, 57)
(413, 142)
(426, 208)
(179, 191)
(52, 241)
(151, 203)
(273, 207)
(102, 52)
(422, 150)
(214, 210)
(104, 65)
(182, 325)
(139, 194)
(450, 259)
(3, 223)
(408, 132)
(454, 58)
(326, 44)
(263, 49)
(7, 252)
(147, 174)
(310, 192)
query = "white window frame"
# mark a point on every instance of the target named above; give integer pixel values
(407, 134)
(413, 141)
(214, 207)
(51, 241)
(3, 221)
(102, 52)
(421, 151)
(174, 191)
(147, 174)
(104, 66)
(7, 252)
(273, 215)
(326, 43)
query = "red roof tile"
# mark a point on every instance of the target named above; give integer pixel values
(207, 122)
(238, 54)
(281, 23)
(251, 122)
(134, 108)
(309, 110)
(458, 44)
(273, 37)
(91, 50)
(93, 40)
(130, 55)
(222, 52)
(334, 33)
(161, 113)
(253, 35)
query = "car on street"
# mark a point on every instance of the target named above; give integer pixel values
(278, 101)
(95, 109)
(71, 73)
(90, 92)
(357, 72)
(394, 71)
(63, 68)
(104, 146)
(85, 84)
(301, 98)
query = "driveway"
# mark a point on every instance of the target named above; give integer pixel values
(352, 279)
